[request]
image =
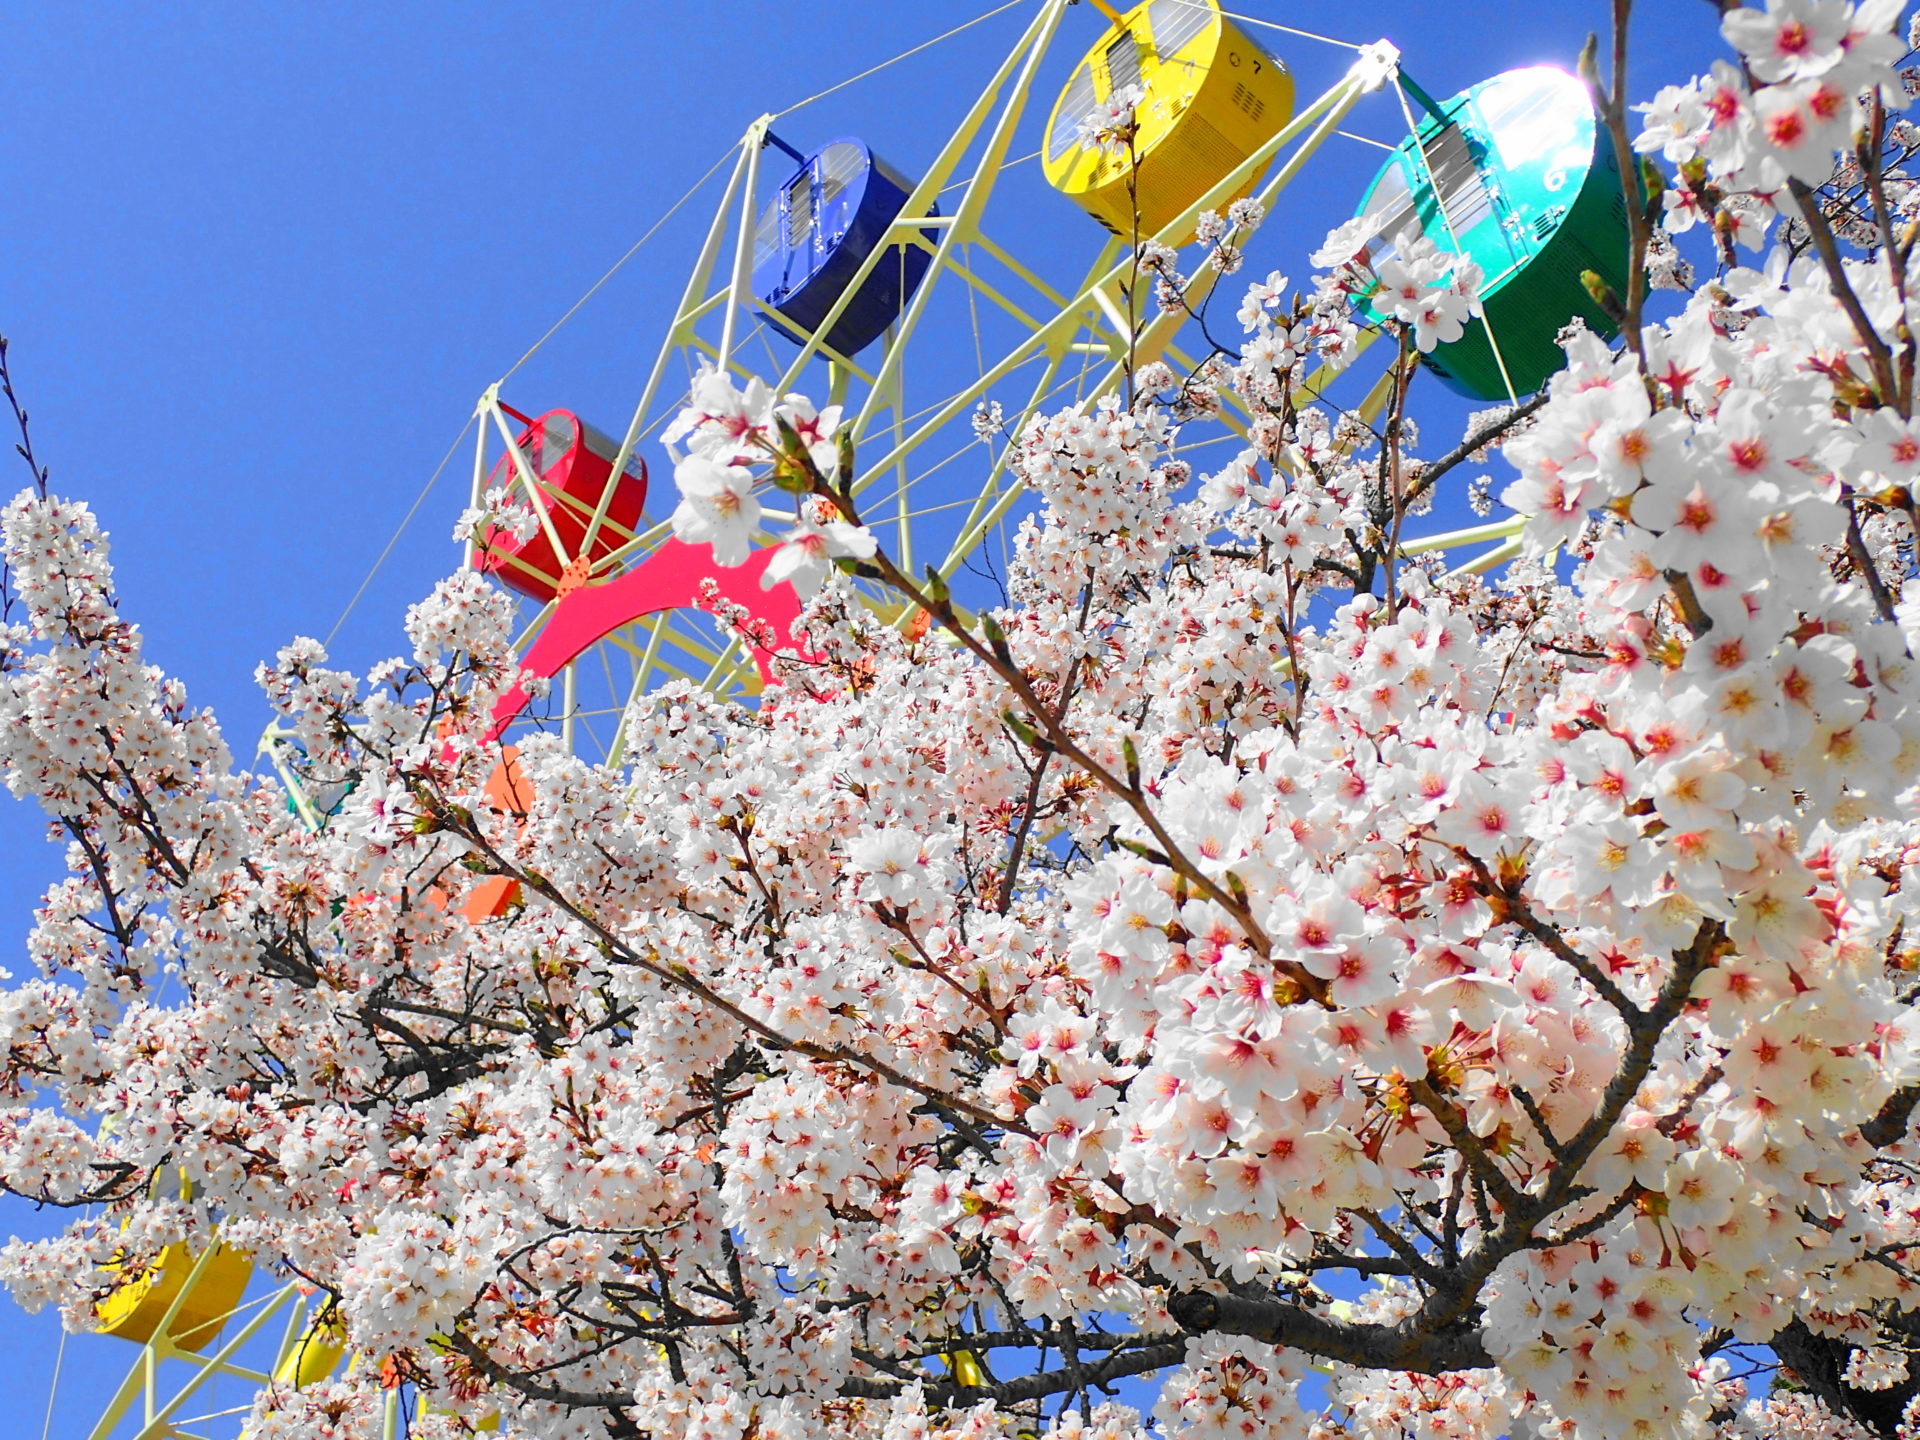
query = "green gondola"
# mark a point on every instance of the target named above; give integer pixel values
(1528, 187)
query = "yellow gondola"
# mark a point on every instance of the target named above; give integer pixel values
(135, 1308)
(311, 1357)
(1212, 96)
(138, 1304)
(313, 1354)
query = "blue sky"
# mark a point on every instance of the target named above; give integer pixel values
(257, 261)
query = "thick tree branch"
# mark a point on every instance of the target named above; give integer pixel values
(1410, 1345)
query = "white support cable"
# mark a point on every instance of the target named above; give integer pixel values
(903, 55)
(53, 1386)
(405, 520)
(536, 497)
(1005, 166)
(614, 269)
(1440, 204)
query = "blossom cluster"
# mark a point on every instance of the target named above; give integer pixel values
(1745, 132)
(730, 434)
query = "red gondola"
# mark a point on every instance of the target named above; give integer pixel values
(573, 465)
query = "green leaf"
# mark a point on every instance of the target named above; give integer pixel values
(1655, 184)
(1022, 731)
(843, 450)
(996, 638)
(1604, 296)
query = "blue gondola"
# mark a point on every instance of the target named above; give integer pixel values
(815, 233)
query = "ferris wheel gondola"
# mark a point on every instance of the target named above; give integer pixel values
(560, 471)
(816, 232)
(1516, 174)
(1208, 96)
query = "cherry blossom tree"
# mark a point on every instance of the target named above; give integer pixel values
(1246, 963)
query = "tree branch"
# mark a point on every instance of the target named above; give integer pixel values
(1410, 1345)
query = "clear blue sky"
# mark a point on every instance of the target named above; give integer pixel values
(257, 260)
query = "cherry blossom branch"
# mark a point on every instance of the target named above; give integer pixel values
(1821, 1363)
(1645, 1029)
(1043, 754)
(1611, 106)
(1864, 562)
(1132, 795)
(1871, 154)
(1430, 474)
(1464, 1140)
(451, 818)
(1432, 1341)
(1361, 1264)
(1889, 1126)
(1411, 1212)
(24, 446)
(990, 653)
(109, 1191)
(146, 820)
(1878, 356)
(943, 1394)
(981, 1340)
(896, 921)
(534, 1390)
(1511, 906)
(1539, 1121)
(97, 862)
(1392, 496)
(1692, 614)
(1413, 1263)
(456, 1017)
(1592, 1225)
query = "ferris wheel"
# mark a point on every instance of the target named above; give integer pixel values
(827, 270)
(843, 271)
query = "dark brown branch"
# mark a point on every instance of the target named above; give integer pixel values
(24, 446)
(1889, 1127)
(1465, 1141)
(678, 978)
(947, 1393)
(1474, 444)
(1863, 562)
(1410, 1345)
(1878, 355)
(1043, 755)
(1820, 1363)
(1610, 103)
